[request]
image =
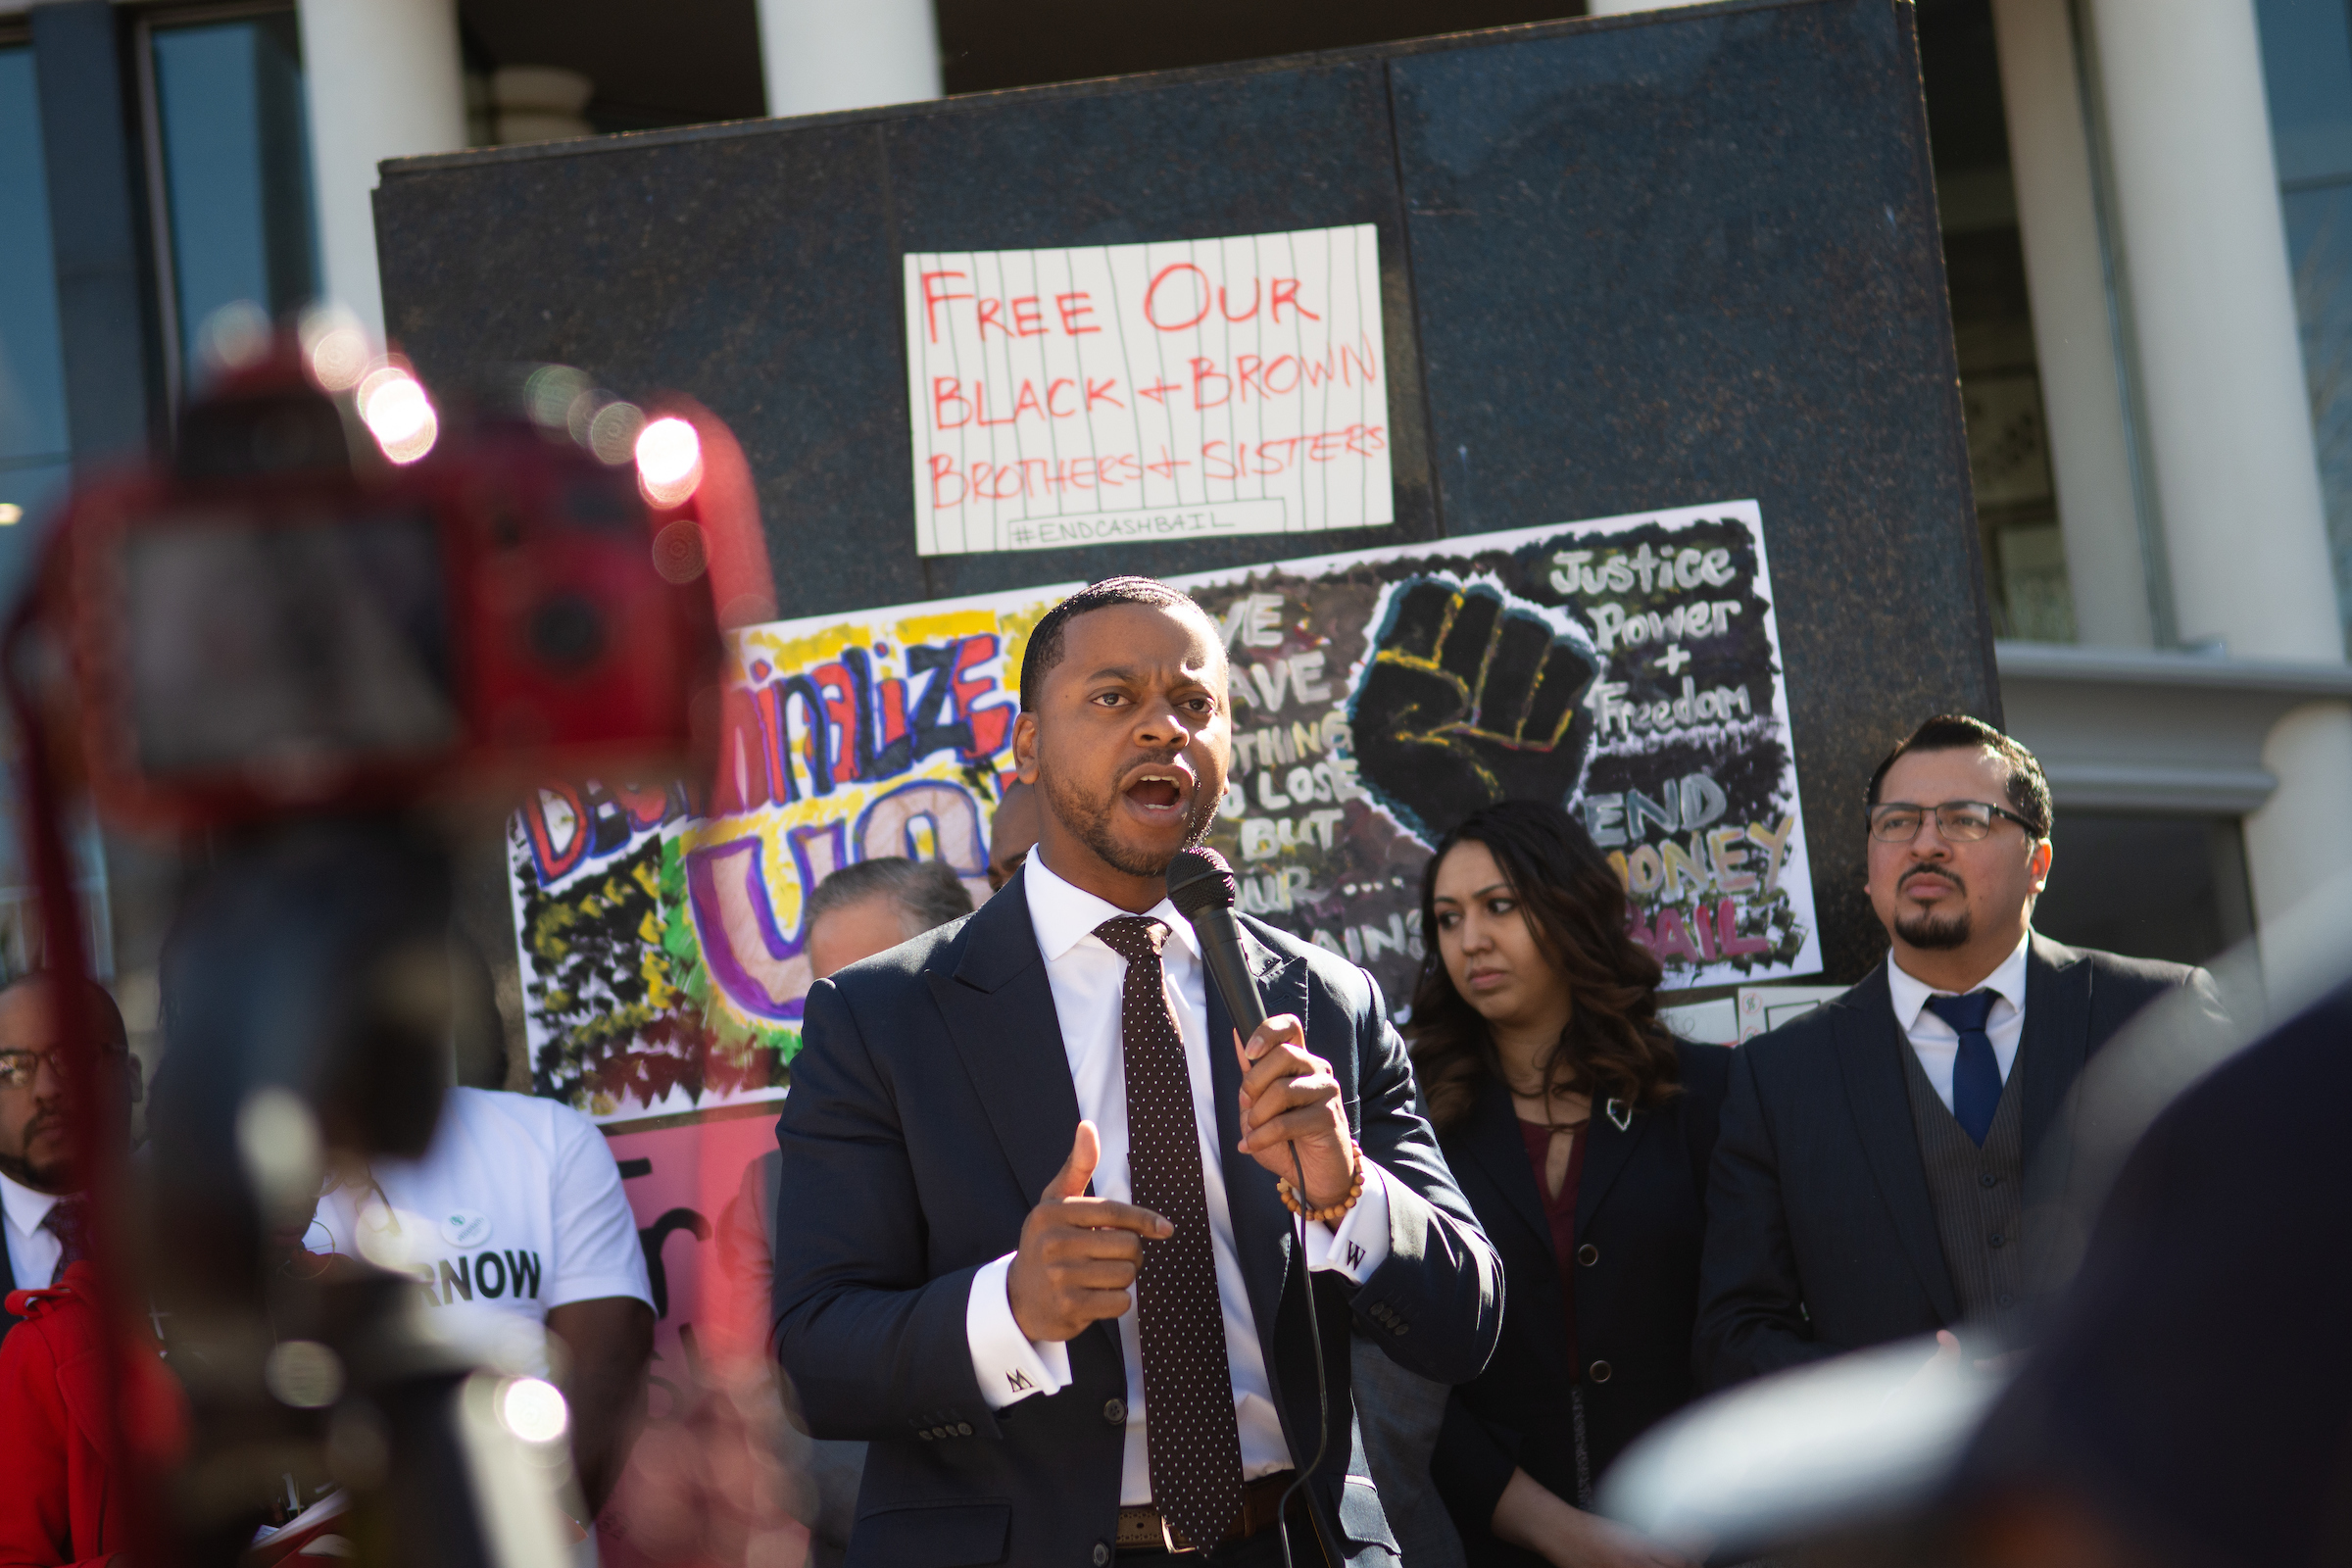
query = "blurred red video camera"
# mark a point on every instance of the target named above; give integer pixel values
(329, 601)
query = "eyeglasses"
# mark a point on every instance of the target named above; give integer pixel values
(1958, 822)
(19, 1069)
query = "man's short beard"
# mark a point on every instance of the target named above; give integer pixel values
(1930, 931)
(1090, 825)
(1933, 933)
(55, 1178)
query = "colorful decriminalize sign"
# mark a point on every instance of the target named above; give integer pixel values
(664, 954)
(1627, 669)
(1189, 389)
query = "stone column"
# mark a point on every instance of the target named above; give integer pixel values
(385, 79)
(2107, 565)
(2222, 385)
(822, 55)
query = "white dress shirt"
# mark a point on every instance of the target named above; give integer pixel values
(1937, 1043)
(1085, 977)
(32, 1253)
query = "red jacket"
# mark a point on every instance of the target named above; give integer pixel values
(61, 1503)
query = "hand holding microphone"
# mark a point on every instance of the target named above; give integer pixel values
(1289, 1097)
(1289, 1094)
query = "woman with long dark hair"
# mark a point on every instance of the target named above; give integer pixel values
(1580, 1129)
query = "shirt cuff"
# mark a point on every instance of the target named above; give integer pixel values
(1010, 1366)
(1360, 1244)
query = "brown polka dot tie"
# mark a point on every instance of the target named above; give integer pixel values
(1194, 1444)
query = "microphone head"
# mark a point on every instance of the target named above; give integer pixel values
(1198, 879)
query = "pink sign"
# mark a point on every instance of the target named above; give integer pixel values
(704, 1483)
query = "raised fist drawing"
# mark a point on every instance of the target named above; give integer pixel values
(1472, 697)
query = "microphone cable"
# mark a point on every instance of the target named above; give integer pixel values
(1201, 886)
(1314, 1333)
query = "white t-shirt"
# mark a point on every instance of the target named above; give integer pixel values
(515, 1209)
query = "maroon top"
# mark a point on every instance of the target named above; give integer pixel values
(1560, 1208)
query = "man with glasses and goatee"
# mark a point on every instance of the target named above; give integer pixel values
(43, 1216)
(1867, 1179)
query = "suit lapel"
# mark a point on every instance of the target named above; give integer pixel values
(1610, 1151)
(1867, 1043)
(1261, 1227)
(1492, 1141)
(1000, 1012)
(2056, 1041)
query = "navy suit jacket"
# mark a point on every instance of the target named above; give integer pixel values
(1642, 1209)
(931, 1103)
(1820, 1236)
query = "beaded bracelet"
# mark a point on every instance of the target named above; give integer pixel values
(1291, 1197)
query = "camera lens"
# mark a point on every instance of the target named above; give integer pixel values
(568, 632)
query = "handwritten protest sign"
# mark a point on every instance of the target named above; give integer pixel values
(1191, 389)
(1628, 669)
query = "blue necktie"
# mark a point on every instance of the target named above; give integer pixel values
(1976, 1072)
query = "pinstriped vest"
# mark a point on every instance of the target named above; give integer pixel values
(1977, 1196)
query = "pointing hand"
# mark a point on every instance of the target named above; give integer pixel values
(1079, 1254)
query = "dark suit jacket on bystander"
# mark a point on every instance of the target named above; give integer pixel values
(1821, 1231)
(1641, 1216)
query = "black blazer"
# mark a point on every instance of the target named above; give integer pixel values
(1640, 1206)
(1821, 1236)
(8, 1283)
(931, 1103)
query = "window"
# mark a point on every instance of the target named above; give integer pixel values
(1993, 323)
(35, 468)
(229, 137)
(2156, 887)
(2307, 69)
(32, 372)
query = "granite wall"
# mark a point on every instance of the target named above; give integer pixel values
(1627, 263)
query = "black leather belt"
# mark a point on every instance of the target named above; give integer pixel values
(1145, 1529)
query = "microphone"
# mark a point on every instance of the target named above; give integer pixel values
(1201, 887)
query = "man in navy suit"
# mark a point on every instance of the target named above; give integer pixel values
(1033, 1247)
(1869, 1176)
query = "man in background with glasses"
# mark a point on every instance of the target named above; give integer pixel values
(1867, 1183)
(42, 1212)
